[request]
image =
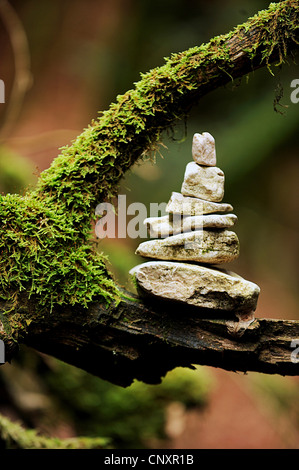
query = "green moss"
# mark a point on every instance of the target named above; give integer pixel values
(13, 436)
(42, 255)
(128, 416)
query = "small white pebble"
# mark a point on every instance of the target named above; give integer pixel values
(203, 149)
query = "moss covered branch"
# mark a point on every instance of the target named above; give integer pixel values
(46, 256)
(14, 436)
(143, 341)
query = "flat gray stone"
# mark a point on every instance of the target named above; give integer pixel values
(198, 286)
(203, 246)
(203, 149)
(205, 182)
(161, 227)
(179, 204)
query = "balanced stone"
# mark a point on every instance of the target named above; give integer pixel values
(179, 204)
(196, 233)
(203, 246)
(205, 182)
(203, 149)
(198, 286)
(160, 227)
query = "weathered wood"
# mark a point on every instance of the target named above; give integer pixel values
(143, 341)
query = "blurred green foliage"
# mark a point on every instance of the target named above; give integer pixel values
(282, 394)
(129, 417)
(14, 436)
(16, 172)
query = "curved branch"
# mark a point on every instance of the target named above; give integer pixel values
(92, 166)
(143, 341)
(23, 76)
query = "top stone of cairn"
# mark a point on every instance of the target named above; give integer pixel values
(203, 149)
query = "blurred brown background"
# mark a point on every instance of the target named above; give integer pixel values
(62, 62)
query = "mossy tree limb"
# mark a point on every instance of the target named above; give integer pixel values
(14, 436)
(143, 341)
(47, 260)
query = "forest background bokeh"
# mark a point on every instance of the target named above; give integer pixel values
(77, 57)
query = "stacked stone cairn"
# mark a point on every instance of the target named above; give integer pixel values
(191, 239)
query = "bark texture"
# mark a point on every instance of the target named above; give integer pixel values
(143, 341)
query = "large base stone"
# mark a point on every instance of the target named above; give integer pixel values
(198, 286)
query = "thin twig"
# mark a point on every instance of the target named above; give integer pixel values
(23, 76)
